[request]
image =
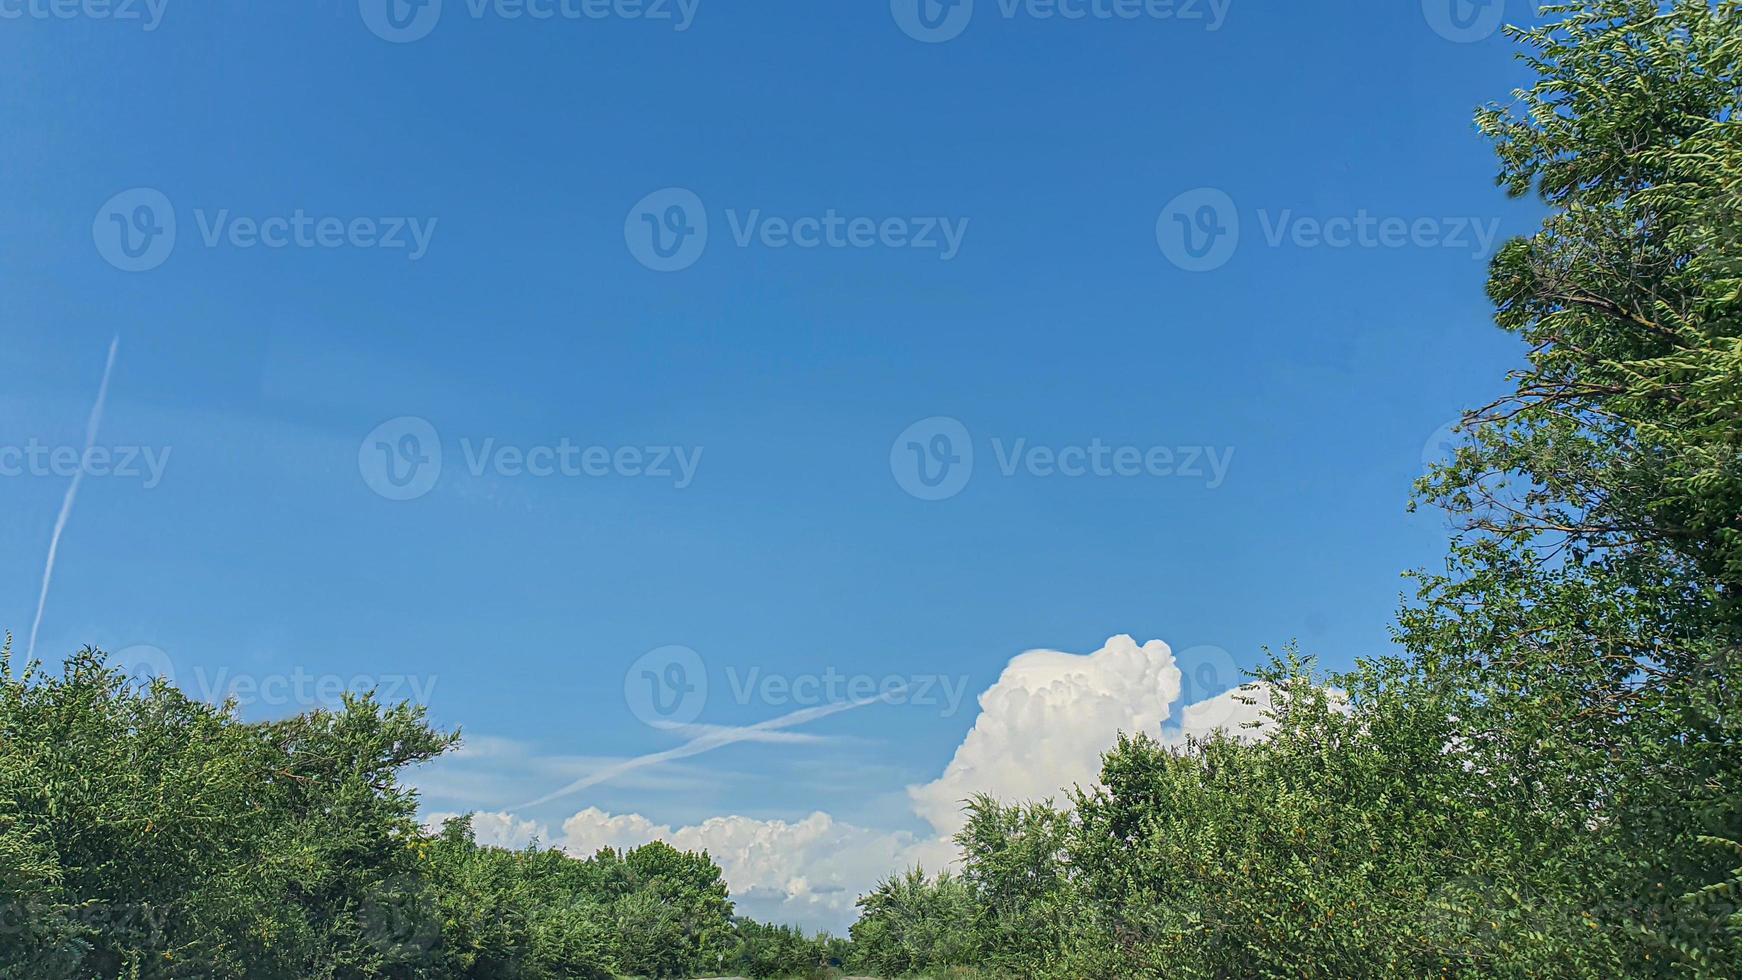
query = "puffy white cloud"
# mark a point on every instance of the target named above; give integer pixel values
(1230, 713)
(1045, 724)
(498, 829)
(809, 872)
(585, 833)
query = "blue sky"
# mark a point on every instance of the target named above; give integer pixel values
(479, 274)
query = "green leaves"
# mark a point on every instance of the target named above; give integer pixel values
(144, 835)
(912, 924)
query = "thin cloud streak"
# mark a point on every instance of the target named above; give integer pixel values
(752, 735)
(66, 504)
(716, 738)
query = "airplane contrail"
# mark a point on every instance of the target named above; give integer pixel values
(715, 738)
(66, 504)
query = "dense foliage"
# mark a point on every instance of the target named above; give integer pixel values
(145, 835)
(1545, 781)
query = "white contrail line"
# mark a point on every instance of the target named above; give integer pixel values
(66, 504)
(715, 739)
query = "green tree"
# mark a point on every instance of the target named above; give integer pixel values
(912, 923)
(678, 921)
(144, 834)
(1014, 863)
(1592, 608)
(761, 950)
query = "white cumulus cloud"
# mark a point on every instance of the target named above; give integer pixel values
(592, 829)
(1228, 712)
(1045, 724)
(809, 872)
(503, 830)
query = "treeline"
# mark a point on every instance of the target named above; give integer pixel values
(1544, 781)
(145, 835)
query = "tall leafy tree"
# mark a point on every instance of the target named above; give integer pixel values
(1593, 609)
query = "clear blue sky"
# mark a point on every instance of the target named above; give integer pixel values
(529, 319)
